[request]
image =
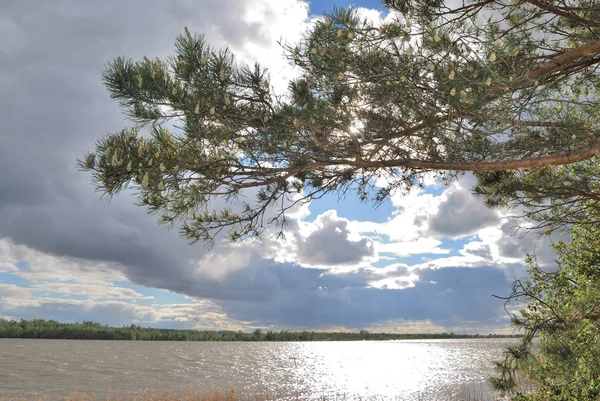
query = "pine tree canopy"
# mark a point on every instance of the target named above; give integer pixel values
(486, 86)
(548, 198)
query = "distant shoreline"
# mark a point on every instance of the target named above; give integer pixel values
(51, 329)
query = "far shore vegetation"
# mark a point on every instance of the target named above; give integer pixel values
(51, 329)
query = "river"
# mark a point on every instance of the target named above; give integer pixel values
(399, 370)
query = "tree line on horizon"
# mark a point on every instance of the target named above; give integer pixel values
(51, 329)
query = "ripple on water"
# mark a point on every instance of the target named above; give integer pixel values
(400, 369)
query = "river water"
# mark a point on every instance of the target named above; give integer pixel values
(399, 370)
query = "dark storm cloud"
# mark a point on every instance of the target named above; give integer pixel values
(459, 295)
(54, 108)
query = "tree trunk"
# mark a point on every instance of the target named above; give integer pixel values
(557, 63)
(527, 163)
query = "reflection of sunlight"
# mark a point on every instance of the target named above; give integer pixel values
(398, 369)
(369, 368)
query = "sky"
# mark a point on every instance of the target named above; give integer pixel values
(428, 261)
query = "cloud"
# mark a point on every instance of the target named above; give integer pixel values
(422, 245)
(55, 108)
(91, 291)
(329, 243)
(7, 267)
(460, 213)
(513, 243)
(268, 294)
(63, 109)
(329, 300)
(477, 249)
(19, 302)
(216, 265)
(14, 291)
(43, 267)
(410, 221)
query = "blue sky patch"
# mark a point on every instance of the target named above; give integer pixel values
(319, 7)
(10, 278)
(350, 207)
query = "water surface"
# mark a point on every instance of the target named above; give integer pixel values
(401, 370)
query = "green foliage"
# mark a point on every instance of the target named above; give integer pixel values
(563, 308)
(52, 329)
(491, 85)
